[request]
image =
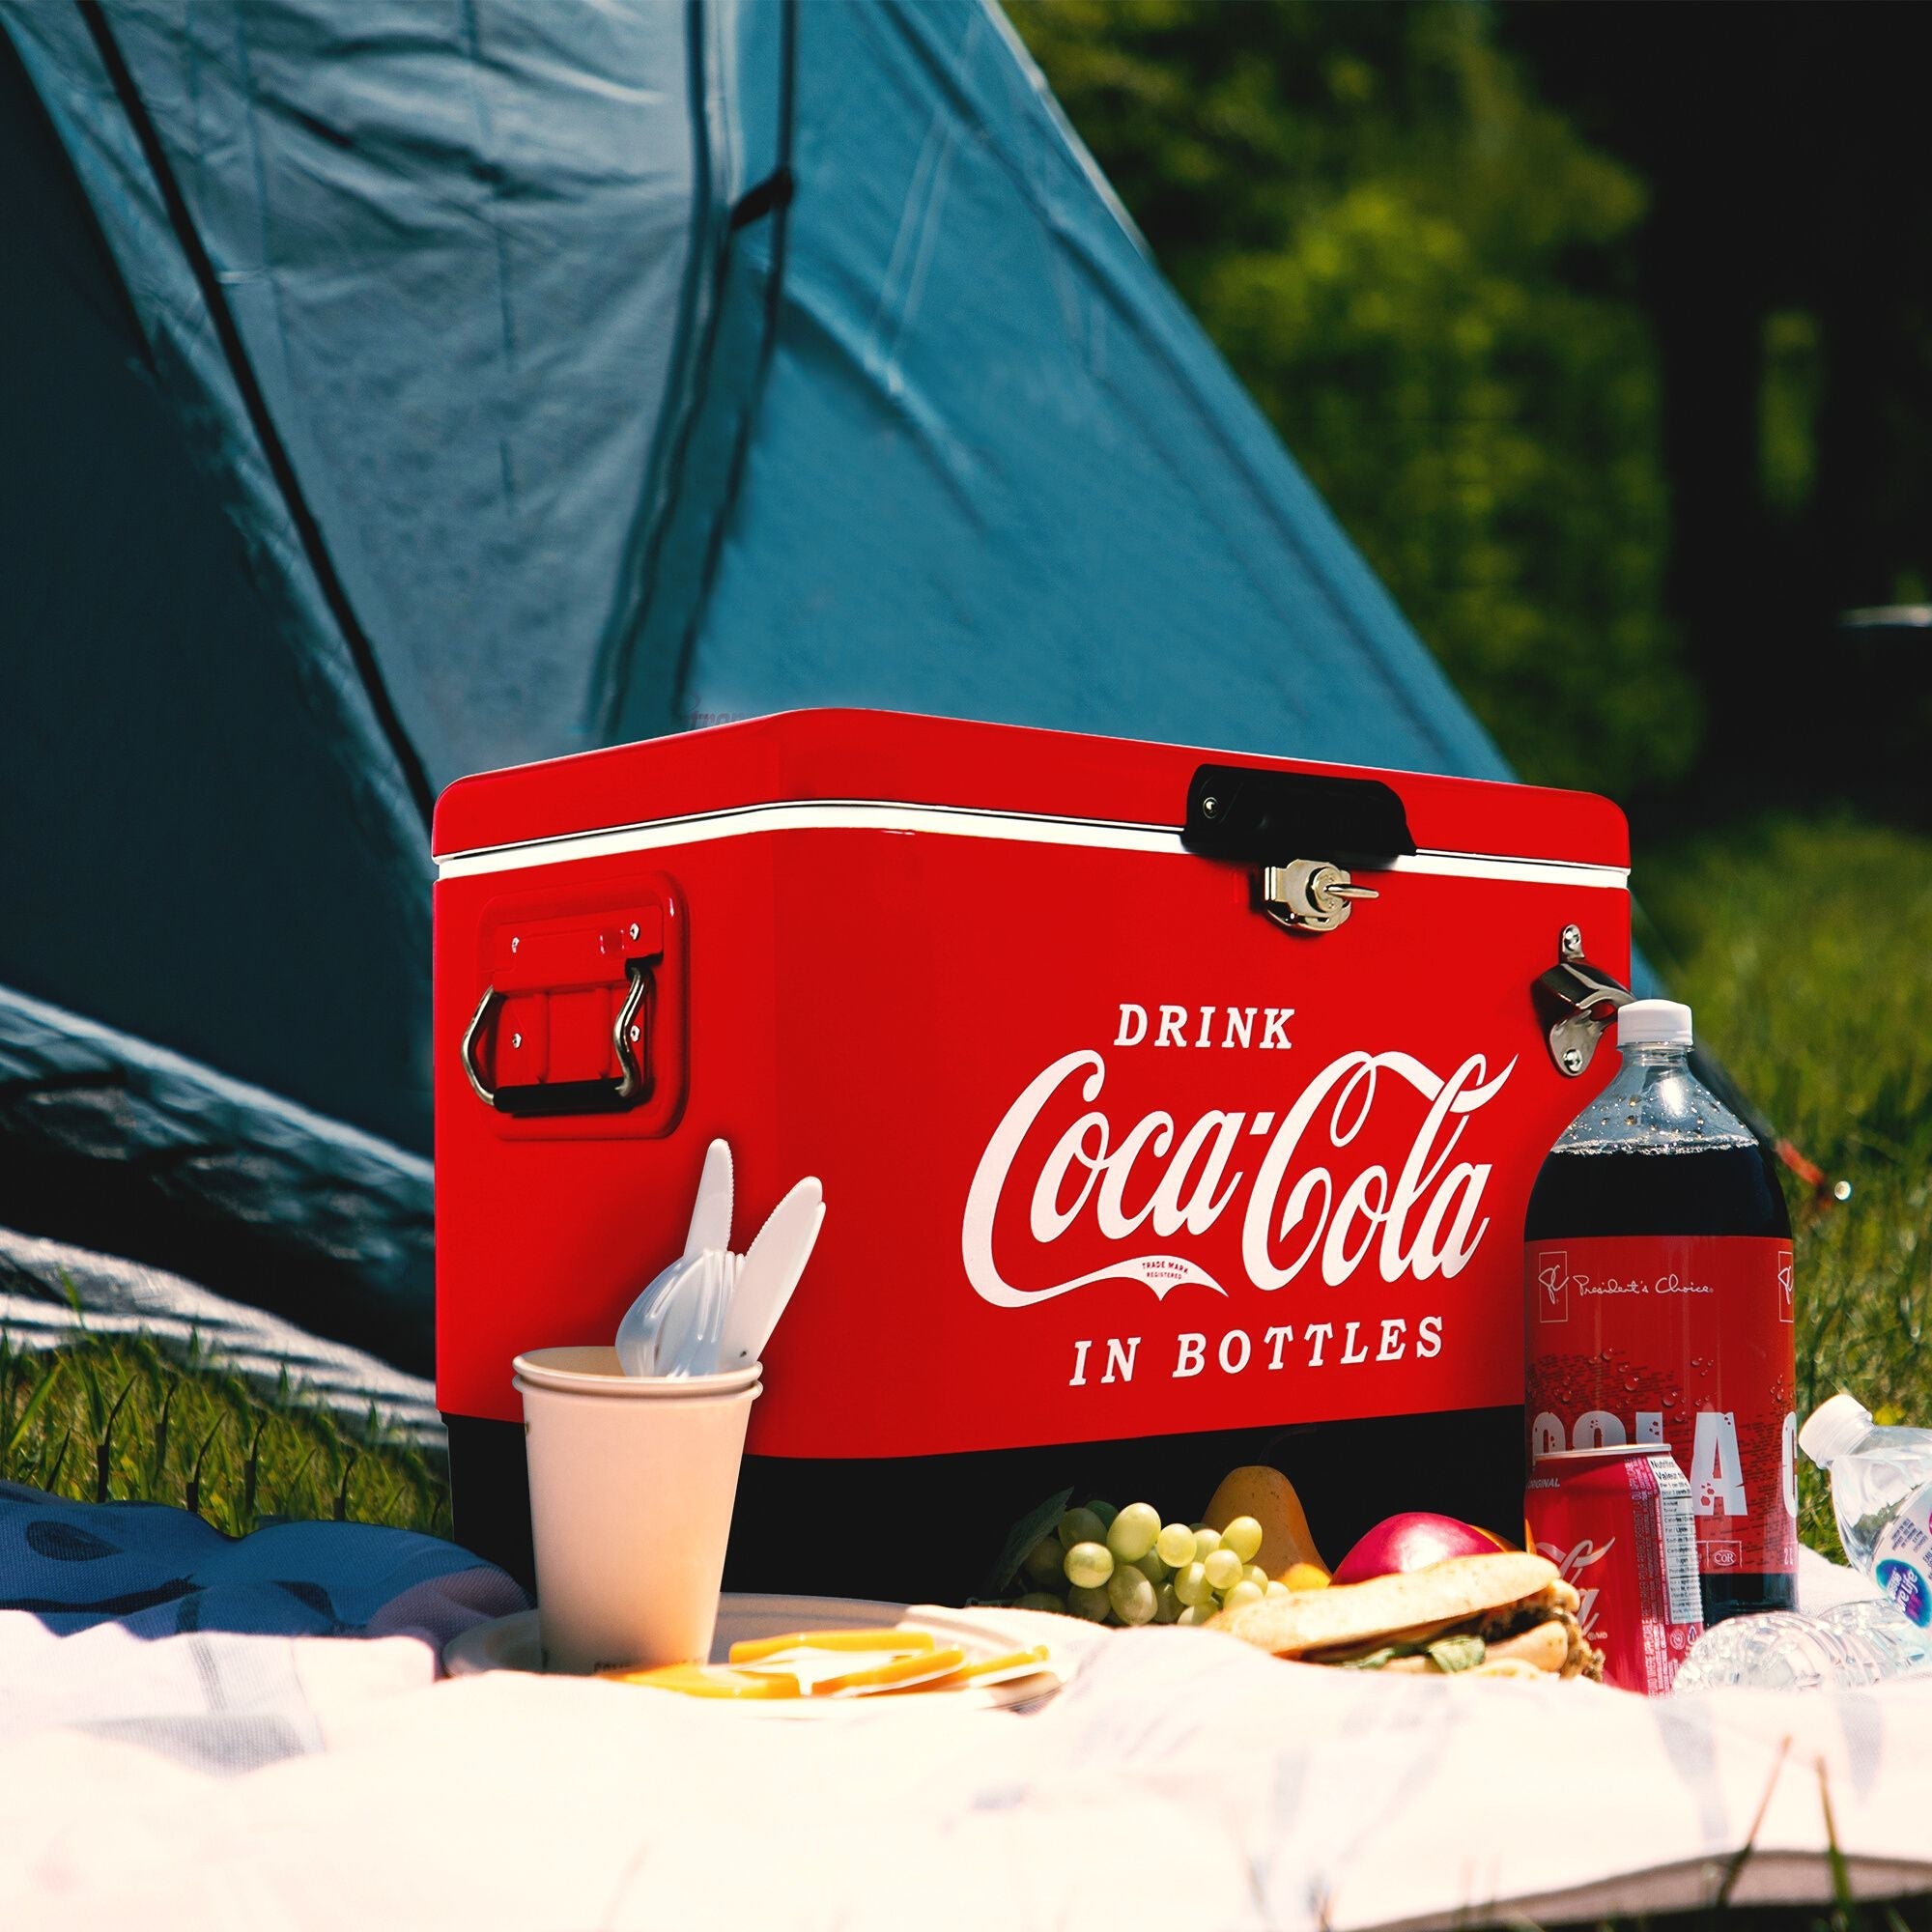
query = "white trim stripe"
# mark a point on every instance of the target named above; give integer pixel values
(955, 822)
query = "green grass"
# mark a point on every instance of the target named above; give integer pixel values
(1806, 953)
(116, 1419)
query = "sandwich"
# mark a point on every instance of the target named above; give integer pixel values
(1503, 1615)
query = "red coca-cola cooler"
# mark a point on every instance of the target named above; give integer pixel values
(1176, 1110)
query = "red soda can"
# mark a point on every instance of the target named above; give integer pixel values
(1619, 1525)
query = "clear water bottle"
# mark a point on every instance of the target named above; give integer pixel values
(1882, 1497)
(1880, 1619)
(1852, 1644)
(1875, 1469)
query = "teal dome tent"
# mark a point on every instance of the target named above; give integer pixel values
(398, 390)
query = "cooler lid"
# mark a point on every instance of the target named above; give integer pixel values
(898, 757)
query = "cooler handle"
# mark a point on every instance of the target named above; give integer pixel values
(567, 1096)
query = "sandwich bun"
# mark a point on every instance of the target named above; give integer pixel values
(1546, 1647)
(1398, 1607)
(1542, 1652)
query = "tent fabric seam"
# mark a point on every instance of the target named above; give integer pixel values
(780, 219)
(687, 379)
(255, 406)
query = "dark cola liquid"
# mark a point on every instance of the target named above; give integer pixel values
(1722, 1191)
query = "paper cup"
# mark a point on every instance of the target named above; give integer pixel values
(632, 1483)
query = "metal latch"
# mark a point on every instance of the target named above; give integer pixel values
(1264, 817)
(1576, 1001)
(1309, 895)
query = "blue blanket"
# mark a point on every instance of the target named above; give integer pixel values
(162, 1572)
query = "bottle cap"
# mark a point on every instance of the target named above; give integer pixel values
(1835, 1427)
(1654, 1023)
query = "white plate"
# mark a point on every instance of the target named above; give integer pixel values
(511, 1643)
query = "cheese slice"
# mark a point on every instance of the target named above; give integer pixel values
(840, 1664)
(711, 1680)
(993, 1671)
(918, 1666)
(751, 1650)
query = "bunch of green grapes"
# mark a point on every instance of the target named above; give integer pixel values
(1127, 1567)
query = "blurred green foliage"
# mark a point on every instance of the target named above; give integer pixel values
(1416, 270)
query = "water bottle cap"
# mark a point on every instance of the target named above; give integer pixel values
(1835, 1427)
(1654, 1023)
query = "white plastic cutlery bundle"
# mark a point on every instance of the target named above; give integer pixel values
(712, 1311)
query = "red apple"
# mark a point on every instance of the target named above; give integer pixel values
(1414, 1541)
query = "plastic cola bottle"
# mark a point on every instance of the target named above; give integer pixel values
(1657, 1305)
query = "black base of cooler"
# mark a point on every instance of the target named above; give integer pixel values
(489, 1494)
(926, 1528)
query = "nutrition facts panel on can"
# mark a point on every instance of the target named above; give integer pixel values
(1680, 1542)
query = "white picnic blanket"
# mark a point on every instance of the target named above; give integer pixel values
(219, 1779)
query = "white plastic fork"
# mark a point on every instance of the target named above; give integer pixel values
(643, 1346)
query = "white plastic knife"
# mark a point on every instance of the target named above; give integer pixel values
(711, 1214)
(771, 1272)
